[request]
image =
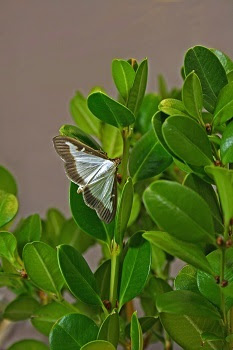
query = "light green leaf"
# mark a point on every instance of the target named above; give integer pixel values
(172, 106)
(52, 226)
(98, 345)
(112, 141)
(7, 181)
(226, 146)
(8, 207)
(8, 246)
(110, 111)
(79, 134)
(192, 95)
(187, 279)
(226, 62)
(135, 209)
(148, 108)
(28, 231)
(28, 344)
(78, 275)
(224, 106)
(110, 329)
(123, 76)
(136, 333)
(21, 308)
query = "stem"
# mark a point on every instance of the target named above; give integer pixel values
(168, 342)
(115, 264)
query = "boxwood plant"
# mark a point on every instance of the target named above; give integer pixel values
(175, 200)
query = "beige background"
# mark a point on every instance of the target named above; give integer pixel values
(50, 48)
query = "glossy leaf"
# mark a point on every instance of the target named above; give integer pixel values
(188, 140)
(7, 181)
(185, 302)
(157, 123)
(28, 231)
(148, 108)
(138, 89)
(110, 329)
(166, 199)
(123, 76)
(46, 316)
(112, 141)
(187, 279)
(86, 218)
(226, 62)
(224, 182)
(192, 95)
(41, 265)
(148, 158)
(135, 209)
(146, 323)
(102, 276)
(72, 332)
(83, 116)
(21, 308)
(78, 275)
(226, 146)
(172, 106)
(8, 246)
(135, 270)
(28, 344)
(187, 252)
(136, 333)
(224, 107)
(79, 134)
(110, 111)
(8, 207)
(98, 345)
(124, 210)
(210, 72)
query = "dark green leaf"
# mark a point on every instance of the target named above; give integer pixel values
(28, 344)
(110, 329)
(112, 141)
(157, 123)
(210, 337)
(148, 158)
(72, 332)
(146, 323)
(224, 107)
(148, 108)
(21, 308)
(78, 275)
(210, 72)
(102, 276)
(79, 134)
(7, 181)
(187, 279)
(187, 252)
(138, 89)
(226, 146)
(135, 270)
(28, 231)
(41, 265)
(8, 246)
(188, 140)
(224, 59)
(124, 210)
(110, 111)
(192, 95)
(98, 345)
(82, 115)
(166, 199)
(136, 333)
(8, 207)
(172, 106)
(123, 76)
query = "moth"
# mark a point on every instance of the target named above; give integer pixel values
(93, 172)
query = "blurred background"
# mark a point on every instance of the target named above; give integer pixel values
(50, 48)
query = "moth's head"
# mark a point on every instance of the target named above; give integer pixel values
(117, 161)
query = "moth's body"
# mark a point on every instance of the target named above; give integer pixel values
(93, 172)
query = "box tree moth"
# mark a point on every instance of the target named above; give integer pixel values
(93, 172)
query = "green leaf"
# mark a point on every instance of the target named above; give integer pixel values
(7, 181)
(28, 344)
(52, 227)
(46, 316)
(188, 140)
(207, 192)
(78, 275)
(210, 72)
(87, 219)
(102, 276)
(83, 116)
(207, 283)
(110, 111)
(110, 329)
(226, 146)
(79, 134)
(135, 209)
(146, 323)
(224, 182)
(72, 332)
(148, 158)
(187, 252)
(135, 270)
(192, 95)
(28, 231)
(136, 333)
(230, 76)
(98, 345)
(8, 207)
(157, 123)
(123, 75)
(148, 108)
(112, 141)
(124, 210)
(41, 264)
(185, 302)
(172, 106)
(21, 308)
(166, 199)
(226, 62)
(187, 279)
(224, 107)
(8, 246)
(138, 89)
(187, 330)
